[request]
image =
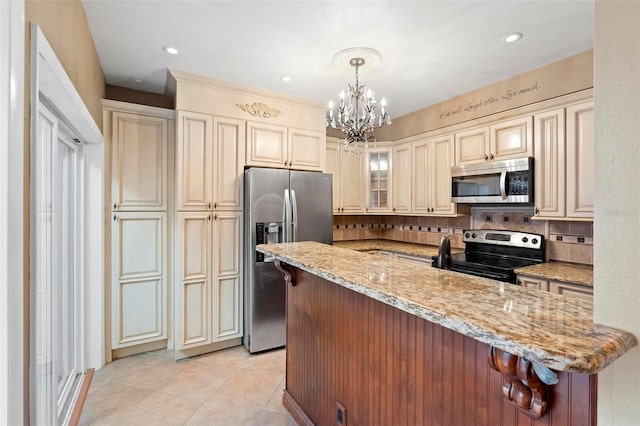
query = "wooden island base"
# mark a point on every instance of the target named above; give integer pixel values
(389, 367)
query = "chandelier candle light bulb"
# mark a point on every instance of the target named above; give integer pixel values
(356, 115)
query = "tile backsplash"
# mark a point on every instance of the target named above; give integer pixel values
(566, 241)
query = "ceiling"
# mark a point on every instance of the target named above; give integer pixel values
(431, 50)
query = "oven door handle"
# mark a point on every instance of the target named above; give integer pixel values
(499, 277)
(503, 184)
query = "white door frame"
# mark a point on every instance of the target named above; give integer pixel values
(12, 286)
(50, 83)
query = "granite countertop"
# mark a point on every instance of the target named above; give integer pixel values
(413, 249)
(560, 271)
(551, 329)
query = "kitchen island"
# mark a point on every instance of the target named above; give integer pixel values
(397, 343)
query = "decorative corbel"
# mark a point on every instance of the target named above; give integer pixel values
(523, 388)
(290, 273)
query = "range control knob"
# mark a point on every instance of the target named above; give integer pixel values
(525, 239)
(534, 241)
(466, 235)
(473, 235)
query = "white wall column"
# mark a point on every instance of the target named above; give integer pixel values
(12, 286)
(617, 214)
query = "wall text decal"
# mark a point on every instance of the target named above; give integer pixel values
(474, 106)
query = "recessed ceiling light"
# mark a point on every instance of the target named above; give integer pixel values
(170, 50)
(510, 38)
(138, 80)
(285, 78)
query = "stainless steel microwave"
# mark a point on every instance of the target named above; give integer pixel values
(506, 181)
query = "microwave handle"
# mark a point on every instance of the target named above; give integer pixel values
(503, 184)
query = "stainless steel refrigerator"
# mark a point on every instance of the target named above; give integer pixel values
(279, 206)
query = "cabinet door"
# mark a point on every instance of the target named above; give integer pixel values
(139, 162)
(378, 180)
(440, 163)
(511, 139)
(229, 140)
(580, 160)
(227, 291)
(306, 149)
(533, 282)
(333, 166)
(401, 159)
(571, 290)
(420, 175)
(193, 280)
(266, 145)
(472, 146)
(139, 281)
(194, 161)
(549, 165)
(352, 187)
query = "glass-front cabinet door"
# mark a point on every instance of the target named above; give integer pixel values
(379, 181)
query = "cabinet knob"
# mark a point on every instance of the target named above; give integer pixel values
(490, 156)
(209, 218)
(486, 157)
(285, 164)
(209, 206)
(537, 211)
(215, 217)
(394, 209)
(115, 206)
(115, 217)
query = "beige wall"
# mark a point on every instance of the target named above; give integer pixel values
(65, 26)
(569, 75)
(617, 192)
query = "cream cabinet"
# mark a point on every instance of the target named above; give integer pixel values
(431, 176)
(348, 171)
(209, 280)
(401, 179)
(571, 290)
(550, 164)
(270, 145)
(558, 287)
(139, 161)
(378, 180)
(139, 278)
(139, 192)
(209, 162)
(564, 163)
(499, 141)
(533, 282)
(580, 160)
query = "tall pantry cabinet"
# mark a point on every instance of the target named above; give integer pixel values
(138, 240)
(210, 155)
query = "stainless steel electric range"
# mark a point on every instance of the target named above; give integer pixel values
(493, 254)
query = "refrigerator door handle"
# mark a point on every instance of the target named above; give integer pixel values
(294, 216)
(286, 218)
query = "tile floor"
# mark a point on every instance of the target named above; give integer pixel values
(229, 387)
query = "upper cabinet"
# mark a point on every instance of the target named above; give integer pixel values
(431, 176)
(580, 160)
(348, 172)
(564, 163)
(270, 145)
(139, 162)
(209, 162)
(499, 141)
(378, 180)
(401, 179)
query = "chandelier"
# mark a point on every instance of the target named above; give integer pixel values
(356, 114)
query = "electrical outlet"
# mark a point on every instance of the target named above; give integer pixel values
(342, 414)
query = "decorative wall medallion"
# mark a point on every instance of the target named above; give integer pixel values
(258, 109)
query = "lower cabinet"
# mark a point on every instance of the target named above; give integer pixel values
(208, 299)
(558, 287)
(139, 279)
